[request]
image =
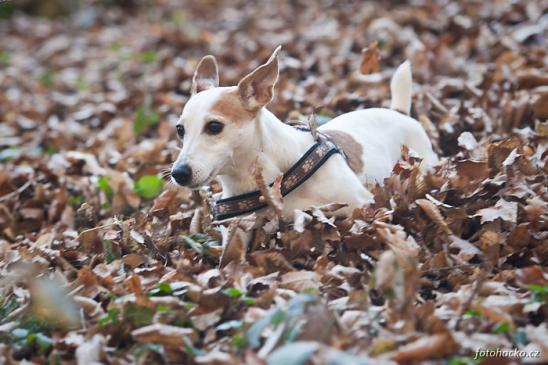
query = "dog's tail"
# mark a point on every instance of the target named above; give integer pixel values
(400, 88)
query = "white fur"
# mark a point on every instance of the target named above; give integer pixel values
(381, 133)
(400, 88)
(277, 146)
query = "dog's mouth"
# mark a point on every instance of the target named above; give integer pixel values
(207, 180)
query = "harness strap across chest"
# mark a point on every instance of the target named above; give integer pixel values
(297, 174)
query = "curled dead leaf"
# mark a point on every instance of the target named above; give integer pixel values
(427, 347)
(370, 59)
(164, 334)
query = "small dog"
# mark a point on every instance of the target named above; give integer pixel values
(226, 131)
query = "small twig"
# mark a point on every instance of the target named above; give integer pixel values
(436, 103)
(313, 126)
(484, 271)
(16, 312)
(461, 266)
(434, 214)
(16, 192)
(74, 291)
(271, 197)
(96, 228)
(197, 197)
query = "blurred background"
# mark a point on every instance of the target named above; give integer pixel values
(87, 63)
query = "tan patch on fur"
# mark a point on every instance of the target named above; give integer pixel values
(231, 107)
(351, 148)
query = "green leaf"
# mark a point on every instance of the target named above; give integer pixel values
(7, 8)
(82, 84)
(538, 288)
(75, 201)
(43, 341)
(33, 324)
(148, 186)
(296, 353)
(540, 292)
(47, 78)
(5, 58)
(162, 289)
(199, 237)
(501, 327)
(112, 316)
(472, 313)
(248, 300)
(139, 315)
(31, 337)
(177, 18)
(189, 305)
(239, 341)
(107, 249)
(148, 57)
(9, 153)
(144, 118)
(459, 360)
(163, 309)
(50, 150)
(103, 184)
(165, 288)
(116, 45)
(8, 306)
(233, 292)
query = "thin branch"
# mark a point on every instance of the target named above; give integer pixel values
(16, 192)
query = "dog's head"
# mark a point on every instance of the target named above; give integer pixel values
(217, 121)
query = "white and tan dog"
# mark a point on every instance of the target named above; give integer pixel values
(226, 130)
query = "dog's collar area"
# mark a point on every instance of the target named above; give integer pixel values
(297, 174)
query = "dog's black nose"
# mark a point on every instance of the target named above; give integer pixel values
(182, 174)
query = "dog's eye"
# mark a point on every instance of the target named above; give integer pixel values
(180, 130)
(214, 127)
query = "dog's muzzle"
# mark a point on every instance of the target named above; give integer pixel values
(182, 174)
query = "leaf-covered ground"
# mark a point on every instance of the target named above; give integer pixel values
(102, 261)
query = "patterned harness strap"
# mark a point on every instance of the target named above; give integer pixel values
(297, 174)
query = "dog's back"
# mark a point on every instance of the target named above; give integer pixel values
(372, 138)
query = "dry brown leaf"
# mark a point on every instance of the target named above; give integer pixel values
(434, 213)
(271, 195)
(505, 210)
(370, 59)
(234, 244)
(428, 347)
(164, 334)
(300, 281)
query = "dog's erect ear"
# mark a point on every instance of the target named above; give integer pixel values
(257, 88)
(206, 75)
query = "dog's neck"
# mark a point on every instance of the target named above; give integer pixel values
(276, 146)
